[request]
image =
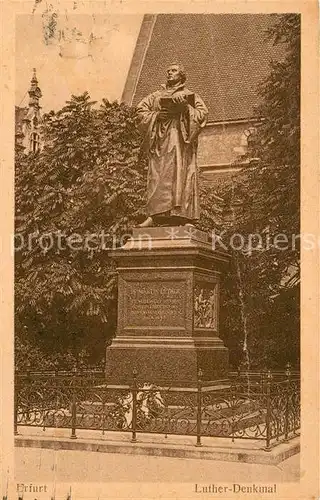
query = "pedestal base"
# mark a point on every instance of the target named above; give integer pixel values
(163, 362)
(168, 309)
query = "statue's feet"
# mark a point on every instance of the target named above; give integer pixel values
(147, 223)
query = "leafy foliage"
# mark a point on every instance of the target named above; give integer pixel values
(74, 200)
(262, 290)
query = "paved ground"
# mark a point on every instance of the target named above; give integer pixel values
(157, 445)
(36, 464)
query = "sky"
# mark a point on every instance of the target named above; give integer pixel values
(71, 66)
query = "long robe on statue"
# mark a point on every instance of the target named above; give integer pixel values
(172, 186)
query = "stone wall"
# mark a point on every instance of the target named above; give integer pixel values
(220, 145)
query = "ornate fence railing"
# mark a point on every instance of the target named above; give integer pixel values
(249, 406)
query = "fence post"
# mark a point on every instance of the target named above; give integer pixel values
(56, 369)
(134, 406)
(28, 370)
(199, 401)
(286, 417)
(74, 404)
(295, 407)
(56, 398)
(268, 411)
(262, 380)
(103, 409)
(234, 389)
(16, 399)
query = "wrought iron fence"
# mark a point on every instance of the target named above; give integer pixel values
(262, 406)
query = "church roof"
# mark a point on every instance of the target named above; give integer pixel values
(225, 57)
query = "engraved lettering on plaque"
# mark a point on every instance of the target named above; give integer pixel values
(155, 304)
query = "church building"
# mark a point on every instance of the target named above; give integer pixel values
(27, 120)
(225, 57)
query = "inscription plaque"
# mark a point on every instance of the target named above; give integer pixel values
(152, 304)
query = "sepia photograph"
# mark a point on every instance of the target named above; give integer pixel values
(157, 254)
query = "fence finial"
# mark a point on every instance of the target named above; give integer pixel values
(288, 369)
(56, 367)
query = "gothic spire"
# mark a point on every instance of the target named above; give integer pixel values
(34, 91)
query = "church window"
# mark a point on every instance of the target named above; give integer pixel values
(34, 142)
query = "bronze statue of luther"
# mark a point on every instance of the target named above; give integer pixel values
(170, 120)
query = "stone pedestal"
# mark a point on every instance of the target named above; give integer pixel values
(168, 309)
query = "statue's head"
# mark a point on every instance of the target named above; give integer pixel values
(175, 74)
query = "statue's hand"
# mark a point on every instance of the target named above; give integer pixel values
(164, 115)
(180, 99)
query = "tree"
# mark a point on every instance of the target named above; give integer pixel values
(263, 200)
(74, 200)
